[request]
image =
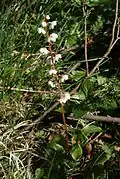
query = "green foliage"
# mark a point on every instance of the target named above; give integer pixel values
(101, 80)
(57, 144)
(97, 26)
(26, 153)
(88, 129)
(76, 152)
(77, 75)
(103, 156)
(39, 173)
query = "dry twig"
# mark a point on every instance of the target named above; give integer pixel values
(27, 90)
(112, 42)
(102, 118)
(85, 35)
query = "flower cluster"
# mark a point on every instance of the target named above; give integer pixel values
(65, 97)
(51, 38)
(51, 83)
(53, 72)
(41, 30)
(57, 57)
(64, 78)
(52, 24)
(44, 51)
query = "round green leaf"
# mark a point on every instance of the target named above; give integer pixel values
(77, 152)
(91, 129)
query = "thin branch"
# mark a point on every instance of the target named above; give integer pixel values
(72, 48)
(96, 137)
(70, 69)
(65, 127)
(85, 35)
(91, 117)
(27, 90)
(102, 118)
(115, 22)
(60, 94)
(118, 28)
(112, 42)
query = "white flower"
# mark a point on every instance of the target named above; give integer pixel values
(47, 17)
(57, 57)
(52, 37)
(52, 72)
(44, 24)
(51, 84)
(14, 53)
(41, 31)
(44, 51)
(64, 78)
(52, 24)
(65, 98)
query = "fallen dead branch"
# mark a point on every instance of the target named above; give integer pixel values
(102, 118)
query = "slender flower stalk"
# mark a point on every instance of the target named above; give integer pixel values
(54, 58)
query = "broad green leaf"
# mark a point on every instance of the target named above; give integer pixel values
(87, 87)
(79, 96)
(77, 75)
(58, 143)
(97, 26)
(58, 147)
(107, 103)
(112, 104)
(101, 80)
(40, 134)
(77, 2)
(78, 111)
(100, 158)
(71, 40)
(77, 152)
(39, 173)
(91, 129)
(108, 149)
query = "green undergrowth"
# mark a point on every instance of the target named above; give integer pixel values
(40, 151)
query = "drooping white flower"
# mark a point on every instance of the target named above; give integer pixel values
(44, 24)
(52, 37)
(57, 57)
(47, 17)
(65, 97)
(64, 78)
(52, 24)
(51, 84)
(15, 52)
(41, 31)
(52, 72)
(44, 51)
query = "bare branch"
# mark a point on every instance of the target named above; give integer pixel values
(112, 42)
(114, 25)
(102, 118)
(85, 35)
(27, 90)
(72, 48)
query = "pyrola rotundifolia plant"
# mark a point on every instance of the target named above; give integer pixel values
(55, 81)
